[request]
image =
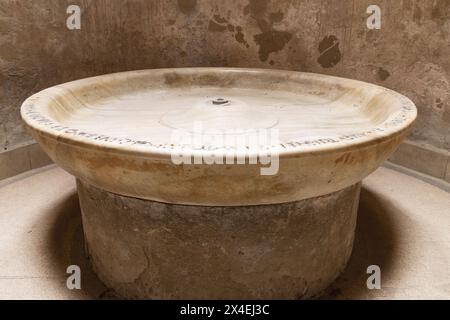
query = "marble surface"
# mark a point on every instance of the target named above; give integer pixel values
(114, 132)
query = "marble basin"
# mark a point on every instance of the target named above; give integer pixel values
(174, 207)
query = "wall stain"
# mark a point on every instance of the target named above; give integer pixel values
(276, 16)
(219, 19)
(330, 55)
(216, 27)
(271, 41)
(239, 36)
(382, 74)
(187, 6)
(417, 15)
(256, 8)
(220, 24)
(441, 10)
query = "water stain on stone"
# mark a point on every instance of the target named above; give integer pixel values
(440, 10)
(219, 19)
(271, 41)
(215, 27)
(263, 25)
(239, 36)
(382, 74)
(439, 103)
(220, 24)
(276, 16)
(417, 15)
(187, 6)
(217, 24)
(435, 13)
(256, 7)
(330, 55)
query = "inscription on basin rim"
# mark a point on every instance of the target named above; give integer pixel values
(45, 121)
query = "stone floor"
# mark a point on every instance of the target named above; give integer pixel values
(403, 227)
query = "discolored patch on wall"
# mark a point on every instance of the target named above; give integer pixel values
(220, 24)
(220, 19)
(213, 26)
(276, 16)
(239, 36)
(439, 103)
(330, 55)
(187, 6)
(382, 74)
(440, 10)
(256, 7)
(271, 41)
(417, 16)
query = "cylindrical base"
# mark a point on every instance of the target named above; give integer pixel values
(147, 249)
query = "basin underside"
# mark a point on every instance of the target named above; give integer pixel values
(154, 250)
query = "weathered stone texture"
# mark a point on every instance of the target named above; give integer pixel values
(409, 54)
(146, 249)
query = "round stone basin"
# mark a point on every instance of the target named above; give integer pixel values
(218, 182)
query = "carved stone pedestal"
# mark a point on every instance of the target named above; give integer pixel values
(154, 250)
